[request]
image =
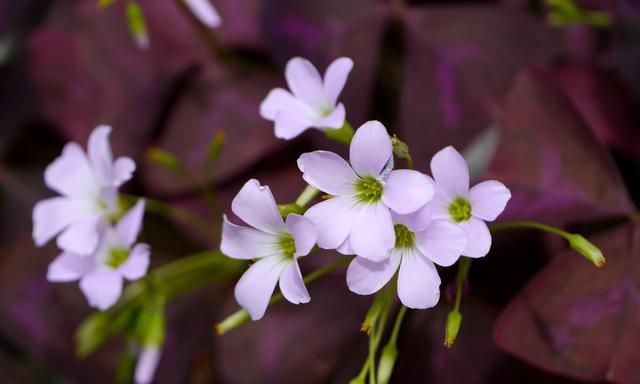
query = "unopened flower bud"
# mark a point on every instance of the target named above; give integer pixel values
(587, 249)
(387, 361)
(163, 158)
(235, 320)
(453, 326)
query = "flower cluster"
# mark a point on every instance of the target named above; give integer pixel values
(97, 239)
(391, 220)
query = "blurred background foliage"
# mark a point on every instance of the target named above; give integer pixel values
(542, 95)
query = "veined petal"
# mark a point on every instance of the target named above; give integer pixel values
(442, 242)
(71, 174)
(333, 120)
(345, 248)
(69, 267)
(418, 281)
(451, 172)
(246, 243)
(488, 199)
(137, 264)
(306, 84)
(333, 219)
(256, 206)
(328, 172)
(370, 149)
(405, 191)
(205, 12)
(102, 287)
(255, 287)
(478, 238)
(147, 363)
(416, 221)
(303, 232)
(373, 235)
(52, 215)
(82, 236)
(128, 228)
(292, 286)
(336, 76)
(438, 206)
(365, 277)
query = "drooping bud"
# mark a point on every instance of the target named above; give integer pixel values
(137, 24)
(453, 326)
(163, 158)
(235, 320)
(379, 303)
(387, 362)
(586, 249)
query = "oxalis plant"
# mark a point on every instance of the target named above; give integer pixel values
(393, 227)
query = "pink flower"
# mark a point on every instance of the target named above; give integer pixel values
(420, 243)
(117, 257)
(88, 184)
(358, 217)
(312, 101)
(205, 12)
(275, 244)
(468, 208)
(147, 364)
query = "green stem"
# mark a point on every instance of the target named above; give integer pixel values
(396, 326)
(306, 196)
(463, 272)
(529, 224)
(342, 135)
(241, 316)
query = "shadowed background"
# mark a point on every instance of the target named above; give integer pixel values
(550, 111)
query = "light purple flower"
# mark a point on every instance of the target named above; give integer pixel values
(359, 213)
(117, 257)
(468, 208)
(312, 102)
(88, 185)
(205, 12)
(420, 243)
(147, 364)
(275, 244)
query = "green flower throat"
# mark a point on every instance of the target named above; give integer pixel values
(404, 237)
(369, 190)
(287, 245)
(460, 209)
(117, 257)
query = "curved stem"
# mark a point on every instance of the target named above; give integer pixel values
(529, 224)
(306, 196)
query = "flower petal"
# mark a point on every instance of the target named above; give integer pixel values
(416, 221)
(335, 77)
(122, 171)
(488, 199)
(102, 287)
(289, 125)
(303, 232)
(442, 242)
(281, 100)
(418, 281)
(478, 238)
(328, 172)
(345, 248)
(333, 219)
(406, 191)
(373, 235)
(255, 287)
(205, 12)
(51, 216)
(71, 174)
(451, 172)
(137, 264)
(292, 286)
(370, 149)
(256, 206)
(438, 207)
(99, 151)
(69, 267)
(306, 84)
(333, 120)
(246, 243)
(82, 236)
(147, 363)
(128, 228)
(365, 277)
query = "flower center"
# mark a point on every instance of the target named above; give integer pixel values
(460, 209)
(404, 237)
(287, 246)
(369, 190)
(117, 257)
